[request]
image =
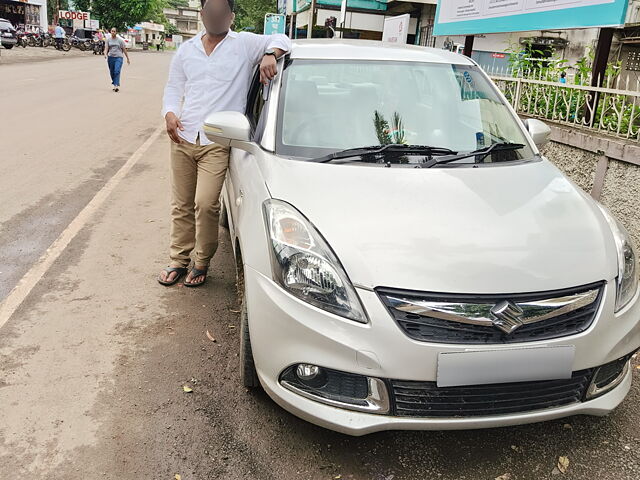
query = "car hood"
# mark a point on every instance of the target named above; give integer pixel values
(493, 229)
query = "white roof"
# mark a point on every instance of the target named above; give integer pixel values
(346, 49)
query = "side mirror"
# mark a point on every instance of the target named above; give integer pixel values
(538, 130)
(229, 129)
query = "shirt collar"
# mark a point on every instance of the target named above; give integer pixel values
(201, 33)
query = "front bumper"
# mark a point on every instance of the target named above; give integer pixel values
(285, 331)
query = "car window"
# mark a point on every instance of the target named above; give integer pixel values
(255, 105)
(330, 105)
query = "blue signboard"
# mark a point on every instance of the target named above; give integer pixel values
(274, 23)
(469, 17)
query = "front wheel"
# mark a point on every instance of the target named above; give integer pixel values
(66, 46)
(248, 373)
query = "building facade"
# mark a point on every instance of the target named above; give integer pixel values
(364, 19)
(29, 14)
(186, 19)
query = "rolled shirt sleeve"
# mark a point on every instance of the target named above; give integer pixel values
(174, 90)
(258, 44)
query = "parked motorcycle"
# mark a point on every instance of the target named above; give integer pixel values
(98, 46)
(22, 39)
(82, 44)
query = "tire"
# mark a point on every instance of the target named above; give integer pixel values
(8, 47)
(248, 373)
(66, 46)
(224, 216)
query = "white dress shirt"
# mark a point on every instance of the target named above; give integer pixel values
(199, 84)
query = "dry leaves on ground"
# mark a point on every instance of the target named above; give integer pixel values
(563, 464)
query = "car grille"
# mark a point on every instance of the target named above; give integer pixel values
(425, 399)
(427, 328)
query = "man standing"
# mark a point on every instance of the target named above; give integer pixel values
(210, 73)
(59, 35)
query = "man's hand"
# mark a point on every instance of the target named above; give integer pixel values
(268, 69)
(173, 125)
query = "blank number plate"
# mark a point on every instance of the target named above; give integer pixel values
(504, 366)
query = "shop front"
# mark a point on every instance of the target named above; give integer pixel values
(29, 15)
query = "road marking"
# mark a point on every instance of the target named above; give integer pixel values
(38, 270)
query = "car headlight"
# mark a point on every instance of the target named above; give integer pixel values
(304, 264)
(627, 281)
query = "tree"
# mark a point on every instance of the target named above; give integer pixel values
(52, 8)
(122, 13)
(177, 3)
(82, 5)
(250, 14)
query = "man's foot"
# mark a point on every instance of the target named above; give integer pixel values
(196, 277)
(170, 275)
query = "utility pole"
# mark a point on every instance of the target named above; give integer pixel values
(312, 19)
(598, 69)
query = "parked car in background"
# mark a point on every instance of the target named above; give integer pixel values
(8, 34)
(408, 258)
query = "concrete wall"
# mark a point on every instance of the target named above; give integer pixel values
(578, 40)
(618, 184)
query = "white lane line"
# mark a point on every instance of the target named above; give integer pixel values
(38, 270)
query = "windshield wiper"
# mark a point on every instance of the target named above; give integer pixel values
(380, 149)
(480, 154)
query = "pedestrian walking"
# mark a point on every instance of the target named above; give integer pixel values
(209, 73)
(115, 51)
(59, 35)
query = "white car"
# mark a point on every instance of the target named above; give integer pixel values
(408, 258)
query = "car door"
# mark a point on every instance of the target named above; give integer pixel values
(258, 94)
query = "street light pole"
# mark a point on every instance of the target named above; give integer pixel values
(343, 17)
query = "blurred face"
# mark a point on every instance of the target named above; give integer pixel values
(217, 17)
(113, 32)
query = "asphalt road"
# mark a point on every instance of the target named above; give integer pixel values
(94, 360)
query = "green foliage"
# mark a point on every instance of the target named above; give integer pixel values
(583, 67)
(82, 5)
(382, 128)
(125, 13)
(250, 14)
(52, 6)
(398, 129)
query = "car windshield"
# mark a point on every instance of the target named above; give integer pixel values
(332, 105)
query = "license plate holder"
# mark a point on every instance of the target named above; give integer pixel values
(482, 367)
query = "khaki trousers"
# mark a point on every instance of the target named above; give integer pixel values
(197, 174)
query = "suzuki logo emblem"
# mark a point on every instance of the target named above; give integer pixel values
(507, 316)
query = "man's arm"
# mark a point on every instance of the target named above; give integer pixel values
(173, 94)
(259, 44)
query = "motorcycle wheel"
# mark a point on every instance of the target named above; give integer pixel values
(66, 46)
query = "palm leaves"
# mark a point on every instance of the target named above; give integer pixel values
(389, 134)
